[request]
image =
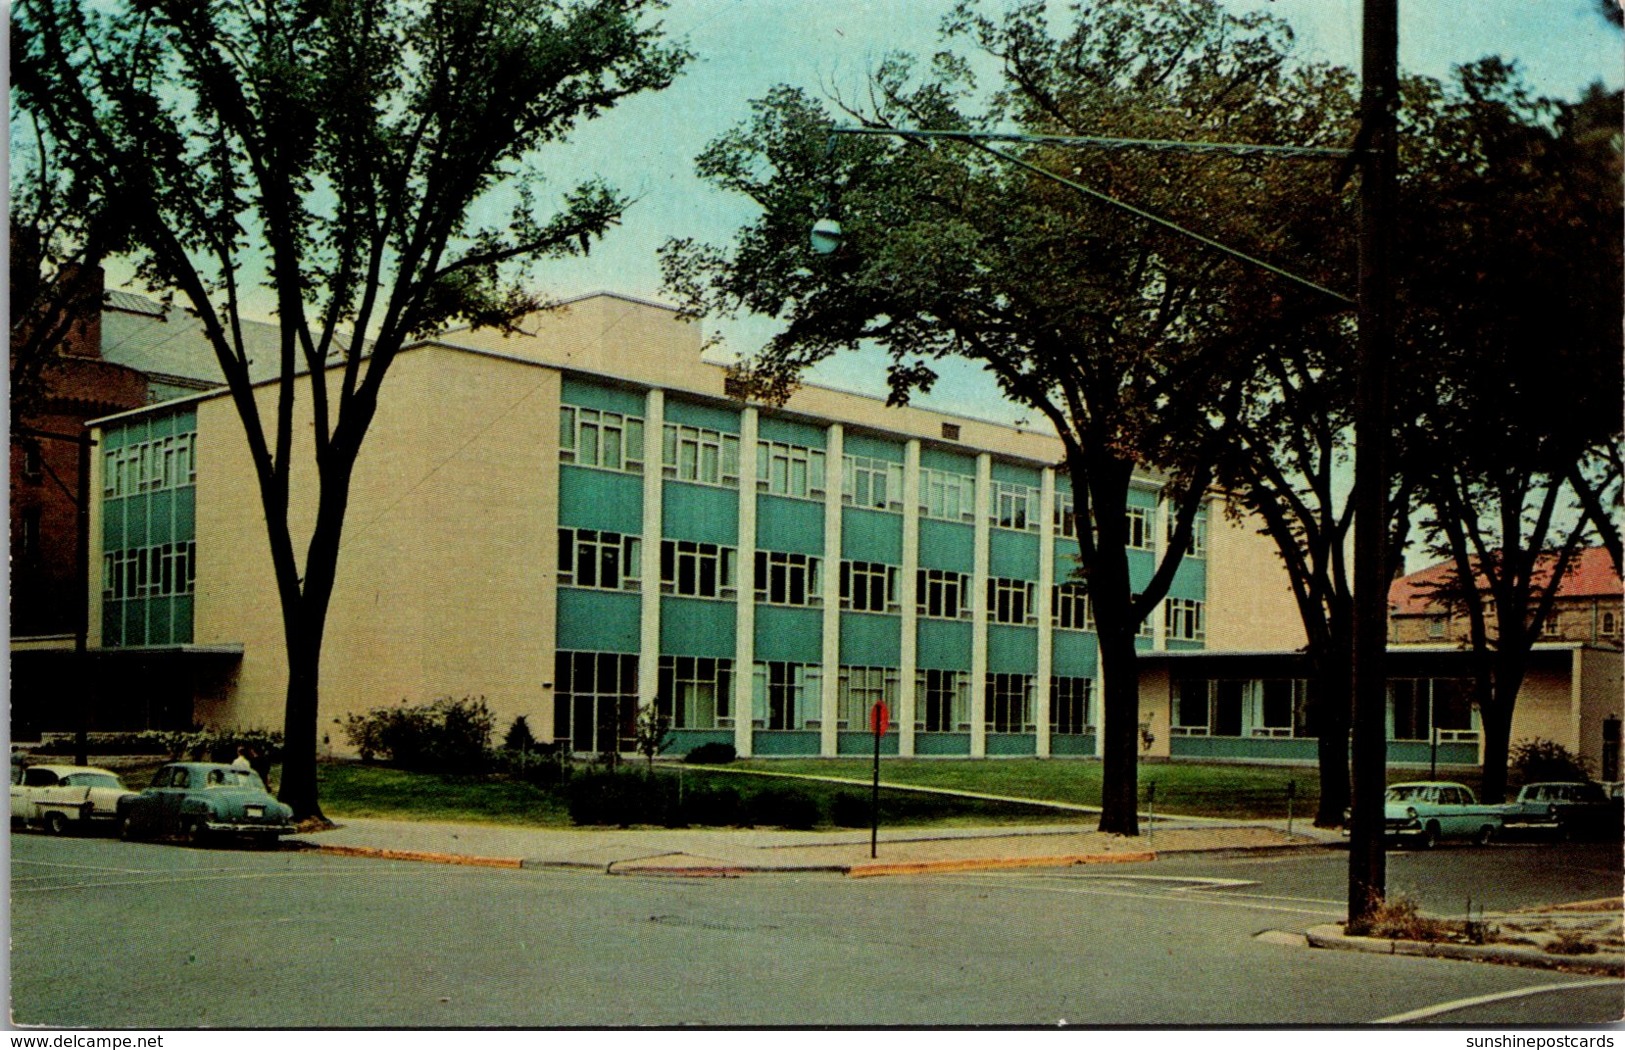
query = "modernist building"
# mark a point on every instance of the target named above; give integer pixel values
(578, 519)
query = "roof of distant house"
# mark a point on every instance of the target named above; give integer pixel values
(1590, 575)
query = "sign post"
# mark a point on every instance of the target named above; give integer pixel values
(879, 722)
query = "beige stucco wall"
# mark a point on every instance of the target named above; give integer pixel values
(1156, 700)
(449, 540)
(1250, 605)
(1601, 691)
(1544, 708)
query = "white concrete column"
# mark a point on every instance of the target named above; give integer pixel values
(828, 738)
(1159, 549)
(654, 418)
(745, 570)
(978, 607)
(908, 597)
(1046, 607)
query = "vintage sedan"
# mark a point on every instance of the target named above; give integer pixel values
(201, 801)
(1566, 809)
(1425, 812)
(64, 798)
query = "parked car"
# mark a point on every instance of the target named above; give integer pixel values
(200, 801)
(1567, 809)
(1425, 812)
(64, 798)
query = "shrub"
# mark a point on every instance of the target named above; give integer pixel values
(1400, 917)
(712, 754)
(1533, 761)
(443, 736)
(782, 807)
(849, 810)
(541, 764)
(519, 737)
(1571, 942)
(600, 797)
(719, 807)
(651, 732)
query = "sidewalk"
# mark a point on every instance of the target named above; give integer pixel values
(707, 851)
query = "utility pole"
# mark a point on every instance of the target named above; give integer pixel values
(1378, 102)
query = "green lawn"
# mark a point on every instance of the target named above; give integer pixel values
(350, 789)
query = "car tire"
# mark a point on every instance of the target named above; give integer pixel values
(1486, 835)
(195, 833)
(56, 823)
(126, 828)
(1430, 836)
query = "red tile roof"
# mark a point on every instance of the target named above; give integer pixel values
(1590, 575)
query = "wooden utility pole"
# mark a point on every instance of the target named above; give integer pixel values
(1378, 163)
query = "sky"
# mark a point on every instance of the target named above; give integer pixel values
(742, 48)
(646, 146)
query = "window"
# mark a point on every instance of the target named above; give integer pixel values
(789, 470)
(149, 572)
(1280, 708)
(787, 579)
(1010, 601)
(1066, 516)
(1141, 521)
(1610, 625)
(1069, 706)
(942, 700)
(873, 483)
(589, 437)
(1422, 705)
(785, 695)
(606, 560)
(696, 570)
(950, 431)
(868, 586)
(1210, 708)
(860, 689)
(33, 463)
(1015, 506)
(942, 593)
(1009, 703)
(696, 692)
(150, 466)
(1070, 602)
(1198, 544)
(704, 456)
(595, 700)
(1436, 626)
(1183, 618)
(949, 497)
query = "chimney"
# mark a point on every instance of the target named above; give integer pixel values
(82, 290)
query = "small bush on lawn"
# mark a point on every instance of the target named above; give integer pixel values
(849, 810)
(519, 737)
(541, 764)
(601, 797)
(712, 754)
(1538, 760)
(708, 807)
(443, 736)
(1400, 918)
(781, 807)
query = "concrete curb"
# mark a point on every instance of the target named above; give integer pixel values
(1331, 936)
(925, 867)
(425, 856)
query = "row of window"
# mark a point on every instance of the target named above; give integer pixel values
(149, 572)
(1422, 709)
(150, 466)
(595, 691)
(612, 441)
(611, 561)
(1141, 526)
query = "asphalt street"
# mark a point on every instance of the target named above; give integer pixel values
(110, 934)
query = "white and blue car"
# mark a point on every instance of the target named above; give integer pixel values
(1424, 813)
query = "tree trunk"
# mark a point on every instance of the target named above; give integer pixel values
(1495, 719)
(1120, 729)
(1332, 702)
(298, 788)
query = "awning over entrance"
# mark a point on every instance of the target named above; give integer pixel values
(122, 689)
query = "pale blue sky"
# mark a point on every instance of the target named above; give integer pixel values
(743, 47)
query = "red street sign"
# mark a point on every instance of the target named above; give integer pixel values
(879, 719)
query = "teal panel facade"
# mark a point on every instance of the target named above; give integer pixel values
(864, 743)
(702, 513)
(1072, 744)
(598, 621)
(947, 545)
(788, 431)
(600, 499)
(940, 744)
(1015, 474)
(1003, 745)
(1013, 555)
(871, 640)
(784, 743)
(871, 535)
(692, 414)
(697, 627)
(1302, 749)
(792, 635)
(148, 530)
(944, 644)
(685, 740)
(1074, 654)
(1011, 649)
(857, 444)
(795, 526)
(934, 458)
(1190, 579)
(1420, 753)
(602, 396)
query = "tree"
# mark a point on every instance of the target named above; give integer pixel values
(1515, 302)
(1131, 340)
(345, 150)
(651, 733)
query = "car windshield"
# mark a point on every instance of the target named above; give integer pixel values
(92, 780)
(1410, 793)
(243, 778)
